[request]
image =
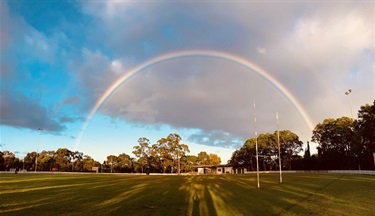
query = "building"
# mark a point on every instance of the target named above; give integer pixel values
(219, 169)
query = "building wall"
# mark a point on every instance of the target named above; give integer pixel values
(216, 170)
(200, 171)
(223, 170)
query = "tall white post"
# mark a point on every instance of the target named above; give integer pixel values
(178, 156)
(350, 101)
(36, 159)
(278, 143)
(351, 109)
(256, 143)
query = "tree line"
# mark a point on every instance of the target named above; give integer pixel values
(168, 155)
(343, 143)
(268, 152)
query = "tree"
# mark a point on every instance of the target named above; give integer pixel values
(167, 153)
(162, 154)
(46, 160)
(203, 158)
(29, 161)
(307, 154)
(63, 159)
(9, 160)
(347, 144)
(335, 139)
(89, 163)
(268, 152)
(189, 163)
(2, 165)
(112, 162)
(76, 160)
(245, 156)
(214, 159)
(309, 162)
(142, 152)
(365, 139)
(176, 149)
(290, 146)
(125, 163)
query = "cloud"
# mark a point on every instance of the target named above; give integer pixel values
(261, 50)
(10, 31)
(142, 30)
(94, 73)
(39, 46)
(18, 36)
(317, 50)
(109, 9)
(4, 34)
(17, 110)
(72, 100)
(330, 39)
(212, 95)
(319, 54)
(216, 138)
(66, 119)
(310, 48)
(23, 50)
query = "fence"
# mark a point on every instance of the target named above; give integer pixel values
(358, 172)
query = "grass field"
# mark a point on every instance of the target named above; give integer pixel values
(299, 194)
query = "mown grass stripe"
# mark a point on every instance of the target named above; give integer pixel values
(73, 194)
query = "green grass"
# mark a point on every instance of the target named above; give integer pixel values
(299, 194)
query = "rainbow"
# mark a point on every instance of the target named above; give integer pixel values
(193, 53)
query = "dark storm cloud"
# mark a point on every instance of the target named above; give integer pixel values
(17, 110)
(308, 47)
(66, 119)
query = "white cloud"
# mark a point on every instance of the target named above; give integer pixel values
(43, 48)
(329, 45)
(332, 38)
(261, 50)
(106, 9)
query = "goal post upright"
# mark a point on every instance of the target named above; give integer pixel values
(278, 143)
(256, 143)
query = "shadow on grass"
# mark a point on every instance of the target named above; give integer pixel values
(101, 195)
(179, 195)
(196, 206)
(229, 195)
(202, 204)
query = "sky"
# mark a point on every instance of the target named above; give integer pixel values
(98, 75)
